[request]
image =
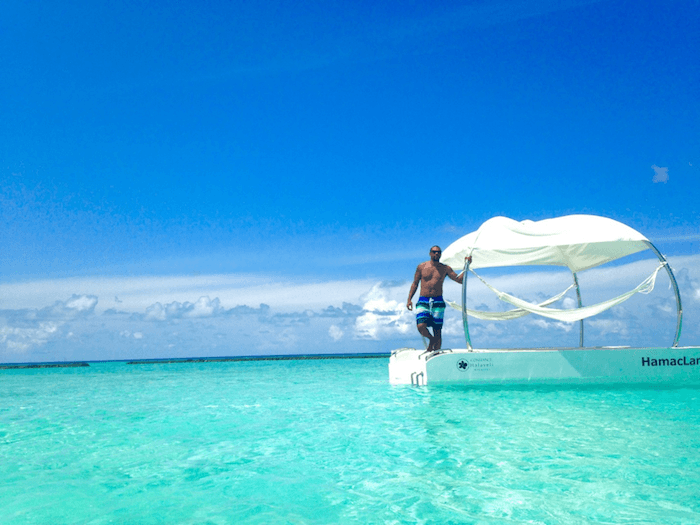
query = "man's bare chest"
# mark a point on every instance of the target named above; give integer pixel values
(431, 274)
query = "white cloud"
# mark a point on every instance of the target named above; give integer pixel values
(128, 334)
(568, 303)
(689, 286)
(21, 330)
(335, 332)
(135, 294)
(383, 316)
(610, 326)
(452, 325)
(155, 312)
(18, 339)
(204, 307)
(81, 303)
(660, 174)
(549, 325)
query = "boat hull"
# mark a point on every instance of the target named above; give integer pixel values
(607, 365)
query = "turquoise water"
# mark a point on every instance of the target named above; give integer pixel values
(332, 442)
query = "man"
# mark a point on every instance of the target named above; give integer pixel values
(430, 307)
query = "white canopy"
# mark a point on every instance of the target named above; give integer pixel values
(578, 242)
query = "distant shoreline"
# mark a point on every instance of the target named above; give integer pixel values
(11, 366)
(260, 358)
(43, 365)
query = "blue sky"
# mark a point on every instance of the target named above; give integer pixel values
(305, 156)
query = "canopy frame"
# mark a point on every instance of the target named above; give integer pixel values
(465, 321)
(662, 259)
(580, 304)
(674, 284)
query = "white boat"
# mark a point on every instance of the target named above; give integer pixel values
(578, 242)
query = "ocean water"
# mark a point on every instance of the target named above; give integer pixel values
(332, 442)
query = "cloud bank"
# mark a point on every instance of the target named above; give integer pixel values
(338, 317)
(21, 330)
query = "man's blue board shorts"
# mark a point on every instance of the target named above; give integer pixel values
(430, 310)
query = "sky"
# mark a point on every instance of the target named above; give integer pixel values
(250, 178)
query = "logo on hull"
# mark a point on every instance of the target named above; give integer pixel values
(646, 361)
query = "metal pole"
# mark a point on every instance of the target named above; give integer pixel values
(580, 304)
(464, 304)
(679, 322)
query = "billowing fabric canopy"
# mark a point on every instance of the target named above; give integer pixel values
(558, 314)
(515, 313)
(578, 242)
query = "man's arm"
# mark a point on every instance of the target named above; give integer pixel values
(457, 278)
(414, 287)
(452, 275)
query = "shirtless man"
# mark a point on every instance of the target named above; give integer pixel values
(430, 306)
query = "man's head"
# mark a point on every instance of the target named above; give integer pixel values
(435, 253)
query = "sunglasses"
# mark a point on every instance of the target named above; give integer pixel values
(435, 251)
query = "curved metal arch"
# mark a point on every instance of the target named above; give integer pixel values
(679, 322)
(580, 304)
(465, 323)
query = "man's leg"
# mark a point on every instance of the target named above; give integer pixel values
(437, 339)
(437, 313)
(423, 330)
